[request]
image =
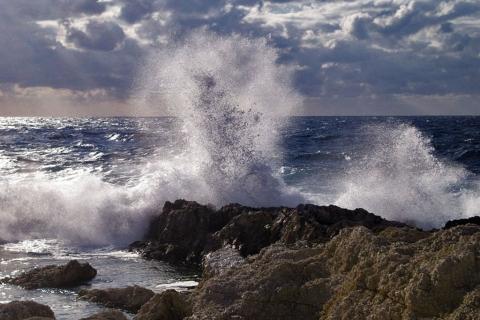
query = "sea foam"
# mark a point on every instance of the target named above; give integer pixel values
(231, 98)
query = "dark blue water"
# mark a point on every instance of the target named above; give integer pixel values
(310, 144)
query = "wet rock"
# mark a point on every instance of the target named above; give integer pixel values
(129, 298)
(107, 315)
(459, 222)
(360, 273)
(185, 231)
(72, 274)
(20, 310)
(168, 305)
(181, 231)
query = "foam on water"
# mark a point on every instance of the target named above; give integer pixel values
(230, 95)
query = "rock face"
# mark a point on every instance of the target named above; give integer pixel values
(129, 298)
(182, 231)
(220, 261)
(459, 222)
(21, 310)
(186, 231)
(72, 274)
(107, 315)
(168, 305)
(397, 273)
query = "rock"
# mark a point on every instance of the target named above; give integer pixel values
(181, 231)
(129, 298)
(220, 261)
(168, 305)
(72, 274)
(107, 315)
(459, 222)
(20, 310)
(360, 273)
(185, 231)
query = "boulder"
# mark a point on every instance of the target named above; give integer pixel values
(185, 232)
(360, 273)
(180, 233)
(168, 305)
(21, 310)
(72, 274)
(107, 315)
(129, 298)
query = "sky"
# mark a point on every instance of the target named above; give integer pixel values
(351, 57)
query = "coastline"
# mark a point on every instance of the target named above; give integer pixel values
(307, 262)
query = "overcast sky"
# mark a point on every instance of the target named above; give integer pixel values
(81, 57)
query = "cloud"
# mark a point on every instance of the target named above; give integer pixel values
(341, 49)
(135, 10)
(103, 36)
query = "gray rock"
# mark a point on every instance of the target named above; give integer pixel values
(72, 274)
(168, 305)
(20, 310)
(107, 315)
(397, 274)
(185, 231)
(221, 261)
(129, 298)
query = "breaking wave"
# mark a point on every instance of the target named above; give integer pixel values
(231, 97)
(400, 178)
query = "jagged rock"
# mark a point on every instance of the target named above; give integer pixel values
(107, 315)
(129, 298)
(181, 231)
(20, 310)
(168, 305)
(459, 222)
(397, 274)
(72, 274)
(186, 231)
(220, 261)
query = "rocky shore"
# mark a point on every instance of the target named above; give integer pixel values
(308, 262)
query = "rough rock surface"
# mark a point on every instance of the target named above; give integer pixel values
(168, 305)
(20, 310)
(129, 298)
(107, 315)
(186, 231)
(459, 222)
(220, 261)
(398, 273)
(72, 274)
(182, 231)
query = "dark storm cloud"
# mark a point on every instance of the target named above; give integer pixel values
(135, 10)
(31, 56)
(103, 36)
(51, 9)
(341, 48)
(89, 6)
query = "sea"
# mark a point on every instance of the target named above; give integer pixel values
(84, 188)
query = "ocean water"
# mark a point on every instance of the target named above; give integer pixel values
(85, 188)
(422, 170)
